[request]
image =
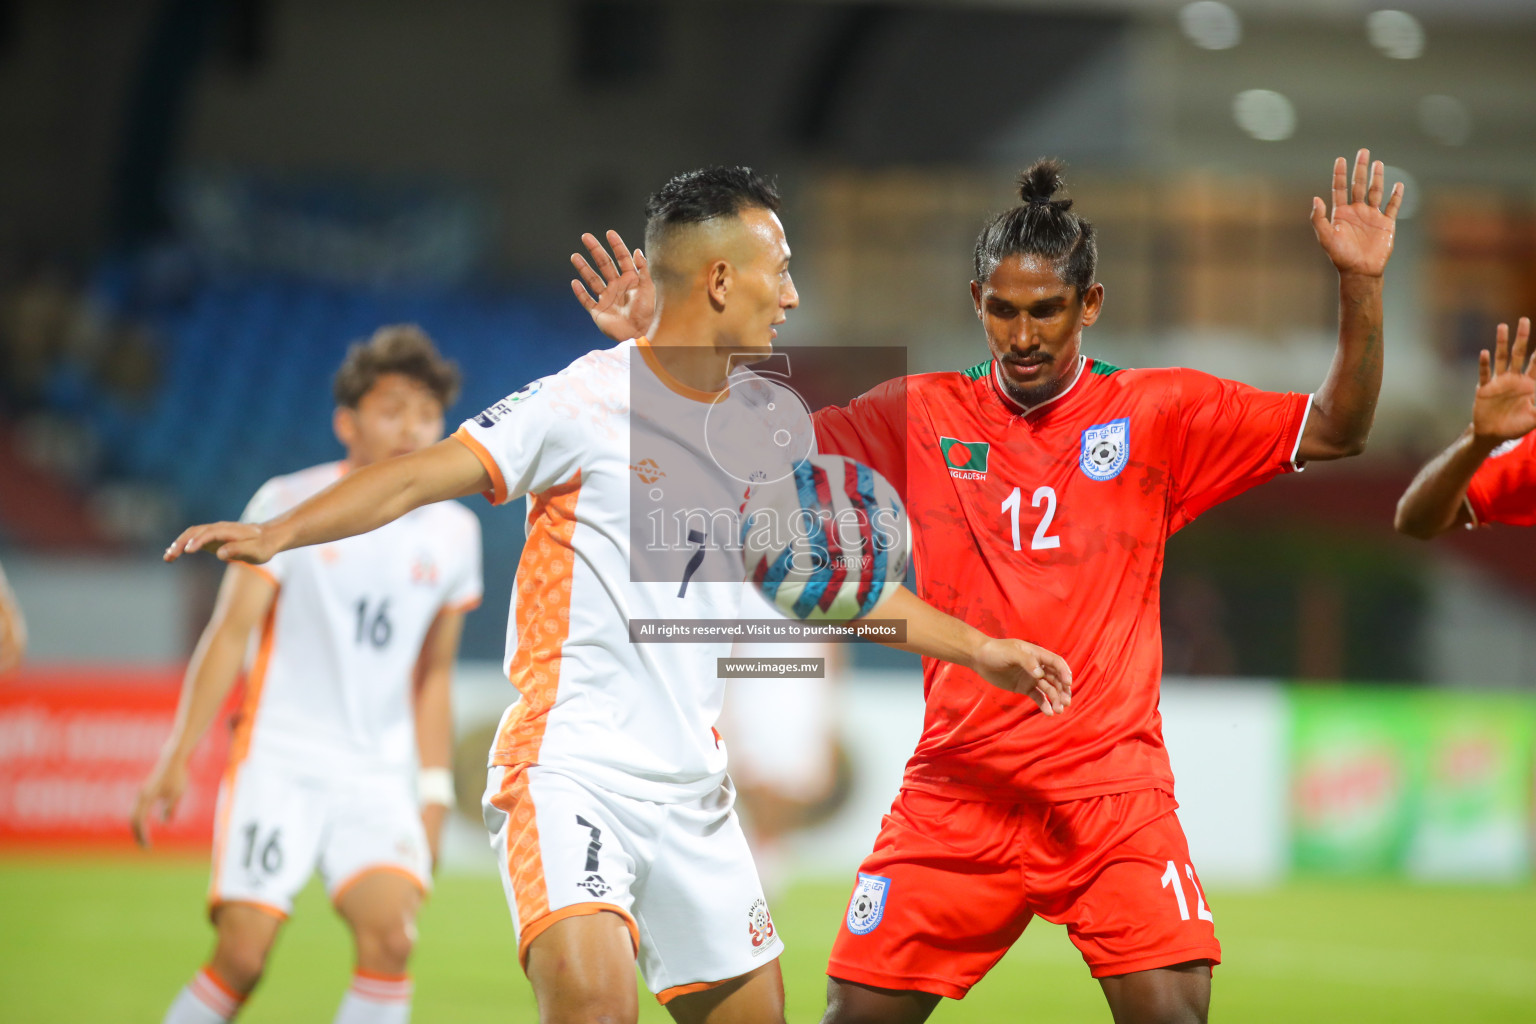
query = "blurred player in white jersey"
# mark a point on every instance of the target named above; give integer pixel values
(347, 691)
(607, 799)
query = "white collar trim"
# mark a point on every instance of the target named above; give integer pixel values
(1025, 410)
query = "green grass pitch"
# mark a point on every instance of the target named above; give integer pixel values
(113, 939)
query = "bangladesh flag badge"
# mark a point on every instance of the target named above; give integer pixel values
(966, 460)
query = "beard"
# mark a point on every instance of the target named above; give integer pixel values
(1037, 392)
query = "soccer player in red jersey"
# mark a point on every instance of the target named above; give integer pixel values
(1042, 486)
(1488, 474)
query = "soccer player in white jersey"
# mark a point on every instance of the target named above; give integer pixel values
(346, 692)
(607, 799)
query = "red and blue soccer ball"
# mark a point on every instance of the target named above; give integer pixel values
(827, 541)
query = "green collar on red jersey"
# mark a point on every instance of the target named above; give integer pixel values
(1097, 366)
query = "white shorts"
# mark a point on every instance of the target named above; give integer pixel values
(680, 874)
(274, 826)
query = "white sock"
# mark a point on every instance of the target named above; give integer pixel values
(376, 999)
(205, 1000)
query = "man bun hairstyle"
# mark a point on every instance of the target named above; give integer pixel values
(1041, 226)
(696, 197)
(397, 348)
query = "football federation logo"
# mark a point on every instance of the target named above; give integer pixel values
(1106, 449)
(759, 924)
(967, 460)
(868, 904)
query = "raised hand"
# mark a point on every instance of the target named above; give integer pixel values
(1020, 667)
(1358, 235)
(619, 294)
(1504, 406)
(230, 542)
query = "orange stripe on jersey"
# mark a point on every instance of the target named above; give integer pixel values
(543, 616)
(240, 744)
(498, 492)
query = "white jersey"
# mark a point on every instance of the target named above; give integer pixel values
(611, 443)
(331, 681)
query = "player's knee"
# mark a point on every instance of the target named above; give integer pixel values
(239, 962)
(386, 948)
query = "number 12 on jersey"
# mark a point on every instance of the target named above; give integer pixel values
(1043, 538)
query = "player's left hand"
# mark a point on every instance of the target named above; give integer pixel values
(1358, 236)
(1020, 667)
(619, 294)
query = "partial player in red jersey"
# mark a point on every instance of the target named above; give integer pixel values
(1488, 474)
(1043, 485)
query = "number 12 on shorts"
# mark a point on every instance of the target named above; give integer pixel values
(1171, 877)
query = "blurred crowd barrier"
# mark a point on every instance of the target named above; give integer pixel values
(1274, 780)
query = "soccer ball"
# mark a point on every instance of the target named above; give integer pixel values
(827, 541)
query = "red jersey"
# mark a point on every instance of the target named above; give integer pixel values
(1503, 490)
(1049, 525)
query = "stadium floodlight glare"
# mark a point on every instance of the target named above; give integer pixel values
(1211, 25)
(1397, 34)
(1264, 114)
(1445, 119)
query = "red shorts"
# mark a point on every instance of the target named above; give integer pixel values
(952, 883)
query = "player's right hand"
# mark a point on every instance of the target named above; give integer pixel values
(158, 796)
(230, 542)
(1020, 667)
(1504, 406)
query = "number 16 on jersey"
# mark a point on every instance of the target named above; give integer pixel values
(1043, 538)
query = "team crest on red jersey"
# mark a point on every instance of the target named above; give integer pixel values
(1106, 449)
(967, 460)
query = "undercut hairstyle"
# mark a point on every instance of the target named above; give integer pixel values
(1041, 226)
(398, 348)
(697, 197)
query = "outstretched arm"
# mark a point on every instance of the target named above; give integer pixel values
(1358, 238)
(244, 598)
(1503, 409)
(434, 719)
(1011, 665)
(361, 501)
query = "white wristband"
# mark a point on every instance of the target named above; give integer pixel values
(435, 786)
